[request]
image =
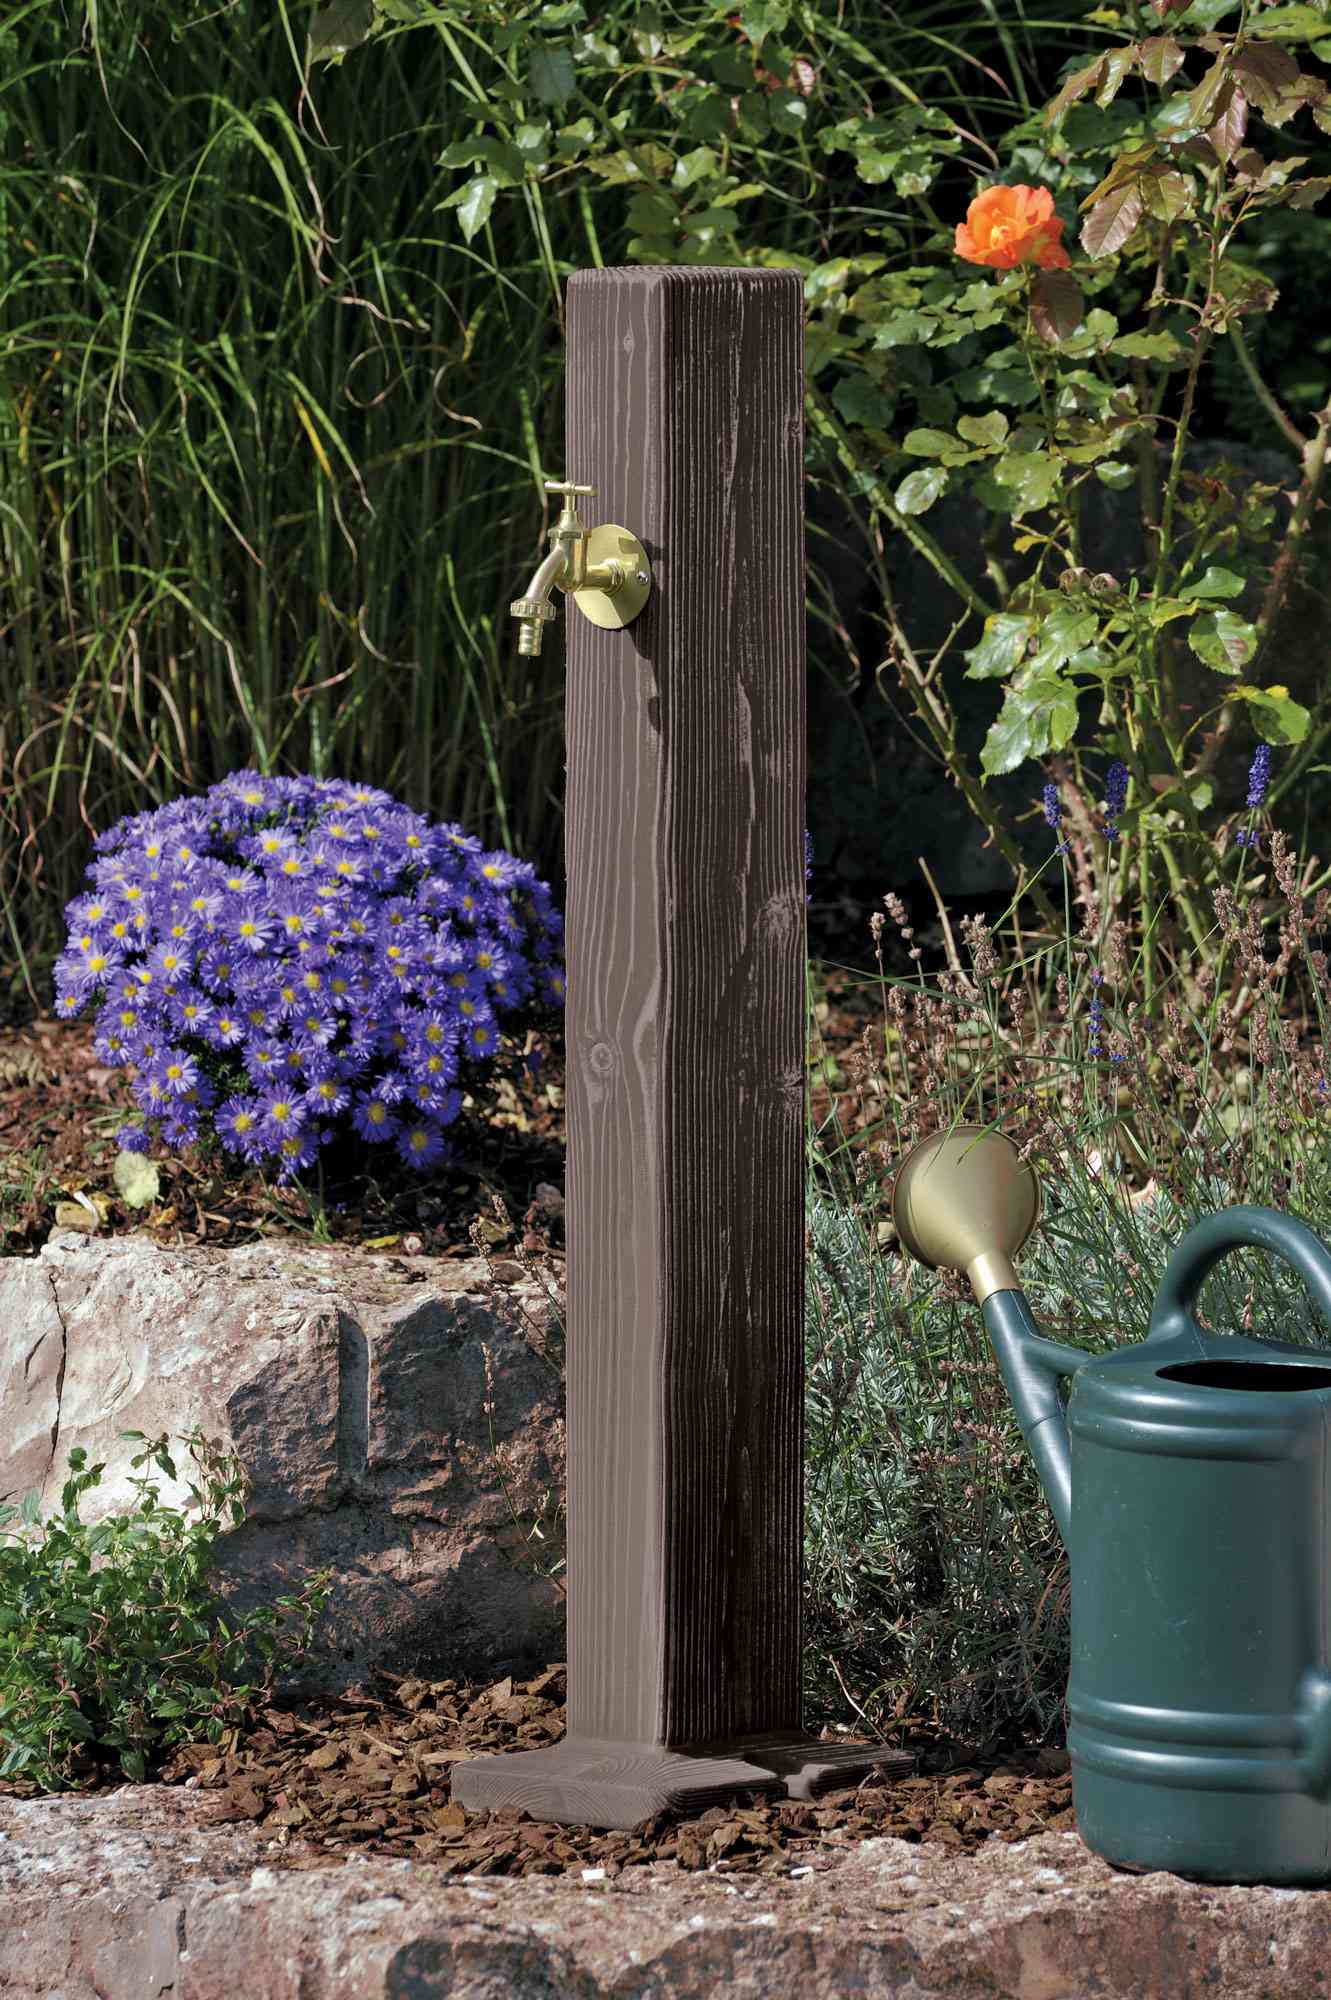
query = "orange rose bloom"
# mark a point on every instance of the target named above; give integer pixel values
(1006, 226)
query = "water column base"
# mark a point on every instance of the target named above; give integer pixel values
(587, 1781)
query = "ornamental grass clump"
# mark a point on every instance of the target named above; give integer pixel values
(284, 961)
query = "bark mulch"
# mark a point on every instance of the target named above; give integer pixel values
(60, 1110)
(371, 1772)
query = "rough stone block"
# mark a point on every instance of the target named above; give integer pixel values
(353, 1389)
(139, 1892)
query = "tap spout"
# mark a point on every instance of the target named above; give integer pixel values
(606, 572)
(547, 574)
(535, 607)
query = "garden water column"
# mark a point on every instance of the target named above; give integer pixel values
(685, 1098)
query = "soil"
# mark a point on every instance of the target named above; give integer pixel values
(370, 1773)
(60, 1110)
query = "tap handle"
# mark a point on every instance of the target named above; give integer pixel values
(568, 487)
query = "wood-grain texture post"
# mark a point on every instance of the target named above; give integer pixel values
(685, 1030)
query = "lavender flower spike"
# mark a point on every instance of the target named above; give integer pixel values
(1095, 1020)
(1259, 777)
(1116, 797)
(1053, 813)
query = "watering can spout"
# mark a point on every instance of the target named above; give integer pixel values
(966, 1200)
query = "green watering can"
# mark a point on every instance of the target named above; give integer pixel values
(1190, 1479)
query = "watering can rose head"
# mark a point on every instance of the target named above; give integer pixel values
(1007, 226)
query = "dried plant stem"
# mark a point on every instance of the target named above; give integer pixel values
(949, 942)
(1286, 564)
(1283, 422)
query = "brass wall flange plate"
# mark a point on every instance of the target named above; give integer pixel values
(609, 543)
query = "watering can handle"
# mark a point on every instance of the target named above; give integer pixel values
(1174, 1316)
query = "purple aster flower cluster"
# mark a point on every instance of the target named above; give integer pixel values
(1116, 797)
(283, 957)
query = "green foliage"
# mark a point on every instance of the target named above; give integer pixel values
(935, 1590)
(129, 1658)
(264, 490)
(272, 432)
(1024, 389)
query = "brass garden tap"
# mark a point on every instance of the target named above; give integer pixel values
(605, 570)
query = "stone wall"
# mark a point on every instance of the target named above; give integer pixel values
(353, 1389)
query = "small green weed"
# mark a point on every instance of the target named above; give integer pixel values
(126, 1658)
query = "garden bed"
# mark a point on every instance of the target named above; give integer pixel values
(60, 1110)
(370, 1773)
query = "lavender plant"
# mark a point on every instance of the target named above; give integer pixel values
(936, 1586)
(285, 960)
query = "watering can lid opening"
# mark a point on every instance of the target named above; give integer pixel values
(1260, 1395)
(1203, 1360)
(1249, 1375)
